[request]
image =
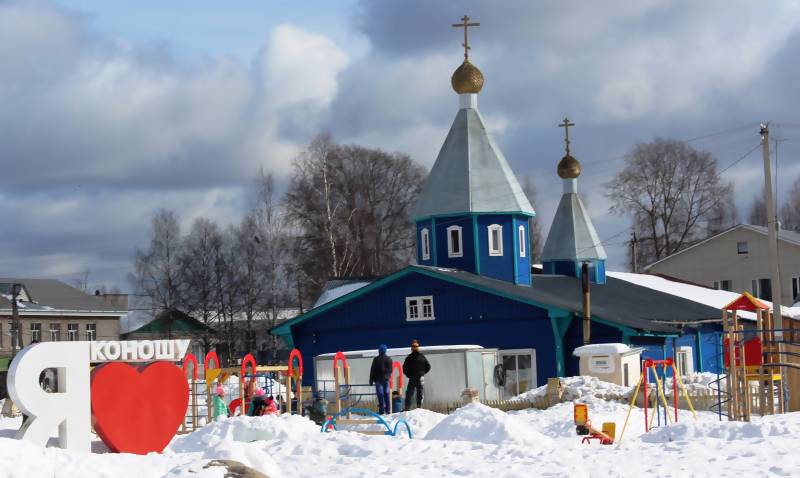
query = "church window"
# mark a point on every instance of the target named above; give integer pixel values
(454, 242)
(495, 240)
(419, 308)
(522, 241)
(425, 244)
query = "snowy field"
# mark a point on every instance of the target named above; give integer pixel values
(474, 441)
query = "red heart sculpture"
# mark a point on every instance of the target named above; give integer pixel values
(138, 410)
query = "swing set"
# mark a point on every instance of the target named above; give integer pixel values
(650, 366)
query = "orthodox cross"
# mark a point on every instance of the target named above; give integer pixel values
(566, 124)
(465, 24)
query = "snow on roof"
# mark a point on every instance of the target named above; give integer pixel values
(601, 349)
(695, 293)
(405, 350)
(339, 291)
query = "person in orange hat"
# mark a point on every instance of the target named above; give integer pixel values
(415, 367)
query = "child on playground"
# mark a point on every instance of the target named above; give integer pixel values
(218, 407)
(257, 404)
(397, 402)
(318, 410)
(270, 406)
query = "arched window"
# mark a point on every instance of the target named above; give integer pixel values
(424, 241)
(455, 246)
(522, 241)
(495, 240)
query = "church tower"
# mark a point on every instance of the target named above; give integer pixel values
(472, 213)
(572, 240)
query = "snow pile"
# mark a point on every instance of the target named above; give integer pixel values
(697, 383)
(581, 387)
(478, 423)
(691, 430)
(245, 439)
(420, 420)
(245, 429)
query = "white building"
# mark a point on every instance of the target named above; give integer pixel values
(737, 260)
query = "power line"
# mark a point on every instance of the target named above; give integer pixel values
(740, 158)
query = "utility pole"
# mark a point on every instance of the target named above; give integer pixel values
(16, 335)
(772, 225)
(587, 305)
(634, 259)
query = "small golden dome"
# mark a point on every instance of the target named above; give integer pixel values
(467, 79)
(569, 167)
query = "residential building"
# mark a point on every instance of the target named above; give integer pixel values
(50, 310)
(737, 260)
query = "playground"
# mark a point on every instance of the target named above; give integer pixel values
(473, 441)
(587, 427)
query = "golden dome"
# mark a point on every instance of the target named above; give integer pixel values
(467, 79)
(569, 167)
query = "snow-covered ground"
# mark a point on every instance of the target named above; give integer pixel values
(473, 441)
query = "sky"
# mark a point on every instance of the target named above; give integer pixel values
(110, 111)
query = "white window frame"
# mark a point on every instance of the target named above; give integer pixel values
(450, 252)
(416, 309)
(742, 247)
(425, 235)
(684, 360)
(795, 289)
(55, 334)
(36, 331)
(521, 239)
(73, 334)
(719, 284)
(91, 331)
(498, 250)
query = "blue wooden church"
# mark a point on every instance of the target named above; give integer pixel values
(473, 284)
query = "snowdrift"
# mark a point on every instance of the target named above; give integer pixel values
(478, 423)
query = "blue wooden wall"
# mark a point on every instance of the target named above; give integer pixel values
(462, 316)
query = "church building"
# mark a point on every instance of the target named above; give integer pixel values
(473, 280)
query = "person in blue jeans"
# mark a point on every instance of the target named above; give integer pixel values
(379, 375)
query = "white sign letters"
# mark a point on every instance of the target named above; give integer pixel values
(69, 410)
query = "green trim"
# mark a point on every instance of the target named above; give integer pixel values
(476, 248)
(699, 340)
(559, 346)
(285, 328)
(626, 338)
(492, 213)
(433, 239)
(515, 249)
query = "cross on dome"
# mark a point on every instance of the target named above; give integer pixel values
(465, 24)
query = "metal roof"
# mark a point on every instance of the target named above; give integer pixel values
(617, 301)
(54, 295)
(470, 174)
(572, 235)
(791, 237)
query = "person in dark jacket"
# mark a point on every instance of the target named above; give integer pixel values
(415, 367)
(379, 375)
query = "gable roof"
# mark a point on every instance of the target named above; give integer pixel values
(50, 295)
(617, 302)
(572, 235)
(790, 237)
(470, 175)
(174, 321)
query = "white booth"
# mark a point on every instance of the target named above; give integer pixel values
(614, 363)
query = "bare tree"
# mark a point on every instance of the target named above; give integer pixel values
(157, 268)
(671, 191)
(758, 210)
(790, 211)
(534, 225)
(198, 262)
(352, 207)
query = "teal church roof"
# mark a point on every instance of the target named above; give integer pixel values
(470, 175)
(572, 236)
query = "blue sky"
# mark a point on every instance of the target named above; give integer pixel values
(111, 110)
